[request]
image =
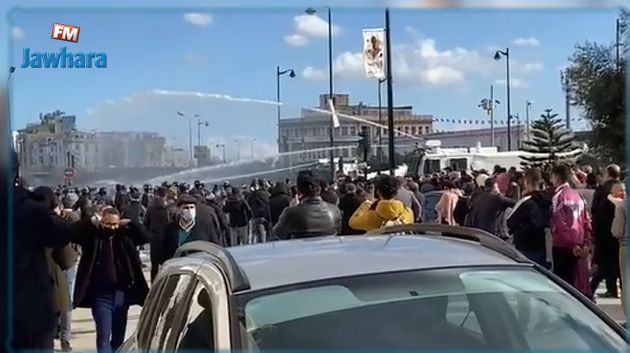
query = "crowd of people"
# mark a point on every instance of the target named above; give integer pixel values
(87, 241)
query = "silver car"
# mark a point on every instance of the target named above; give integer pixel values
(423, 286)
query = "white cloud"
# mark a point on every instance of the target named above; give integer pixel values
(198, 19)
(312, 26)
(526, 42)
(295, 40)
(422, 62)
(308, 26)
(312, 74)
(17, 33)
(515, 83)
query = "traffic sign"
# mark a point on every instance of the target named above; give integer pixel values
(69, 172)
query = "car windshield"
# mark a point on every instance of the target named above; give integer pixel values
(464, 308)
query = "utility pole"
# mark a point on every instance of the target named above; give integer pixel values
(390, 95)
(492, 115)
(564, 80)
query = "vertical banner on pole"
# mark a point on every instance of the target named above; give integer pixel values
(374, 52)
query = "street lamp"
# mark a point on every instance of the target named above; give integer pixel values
(190, 143)
(312, 11)
(380, 120)
(278, 109)
(528, 107)
(497, 56)
(222, 146)
(200, 123)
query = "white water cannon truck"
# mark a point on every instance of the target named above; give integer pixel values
(432, 158)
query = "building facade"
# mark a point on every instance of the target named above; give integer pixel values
(54, 144)
(311, 131)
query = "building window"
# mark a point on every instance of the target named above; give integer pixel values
(426, 130)
(413, 130)
(406, 129)
(344, 131)
(353, 130)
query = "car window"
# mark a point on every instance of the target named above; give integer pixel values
(465, 308)
(197, 332)
(150, 308)
(170, 305)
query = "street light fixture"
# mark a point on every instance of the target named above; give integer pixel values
(497, 56)
(190, 143)
(313, 11)
(280, 73)
(528, 107)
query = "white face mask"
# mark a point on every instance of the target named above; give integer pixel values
(189, 214)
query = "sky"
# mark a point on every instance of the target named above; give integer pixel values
(160, 61)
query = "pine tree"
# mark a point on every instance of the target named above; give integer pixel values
(550, 140)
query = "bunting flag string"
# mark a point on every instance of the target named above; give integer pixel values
(487, 122)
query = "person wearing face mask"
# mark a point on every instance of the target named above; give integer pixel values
(109, 275)
(189, 225)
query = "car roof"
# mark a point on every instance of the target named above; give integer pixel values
(279, 263)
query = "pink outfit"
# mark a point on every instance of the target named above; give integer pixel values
(570, 222)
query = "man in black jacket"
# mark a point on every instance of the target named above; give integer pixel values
(529, 219)
(348, 203)
(212, 201)
(258, 200)
(486, 207)
(280, 199)
(193, 222)
(312, 217)
(239, 213)
(155, 221)
(34, 321)
(109, 276)
(606, 246)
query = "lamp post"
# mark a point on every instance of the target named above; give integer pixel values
(222, 146)
(528, 107)
(190, 143)
(200, 123)
(497, 56)
(390, 95)
(278, 109)
(312, 11)
(380, 120)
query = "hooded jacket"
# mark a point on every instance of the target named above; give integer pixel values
(280, 199)
(570, 222)
(528, 220)
(238, 210)
(371, 215)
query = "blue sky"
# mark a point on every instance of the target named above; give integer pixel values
(442, 64)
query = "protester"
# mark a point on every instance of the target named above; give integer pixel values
(155, 221)
(34, 320)
(312, 217)
(349, 202)
(109, 277)
(239, 213)
(408, 199)
(618, 229)
(258, 201)
(570, 228)
(384, 210)
(446, 206)
(486, 207)
(606, 246)
(280, 199)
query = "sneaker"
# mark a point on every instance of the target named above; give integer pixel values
(65, 346)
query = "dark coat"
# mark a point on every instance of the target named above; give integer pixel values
(238, 210)
(34, 230)
(349, 203)
(59, 260)
(280, 199)
(602, 214)
(85, 234)
(204, 229)
(528, 221)
(156, 218)
(485, 210)
(258, 200)
(134, 211)
(312, 217)
(224, 229)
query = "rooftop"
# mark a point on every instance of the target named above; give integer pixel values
(281, 263)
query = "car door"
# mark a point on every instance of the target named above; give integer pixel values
(157, 331)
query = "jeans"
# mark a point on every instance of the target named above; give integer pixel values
(238, 235)
(109, 311)
(258, 231)
(65, 319)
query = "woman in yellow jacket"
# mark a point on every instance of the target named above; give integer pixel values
(384, 211)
